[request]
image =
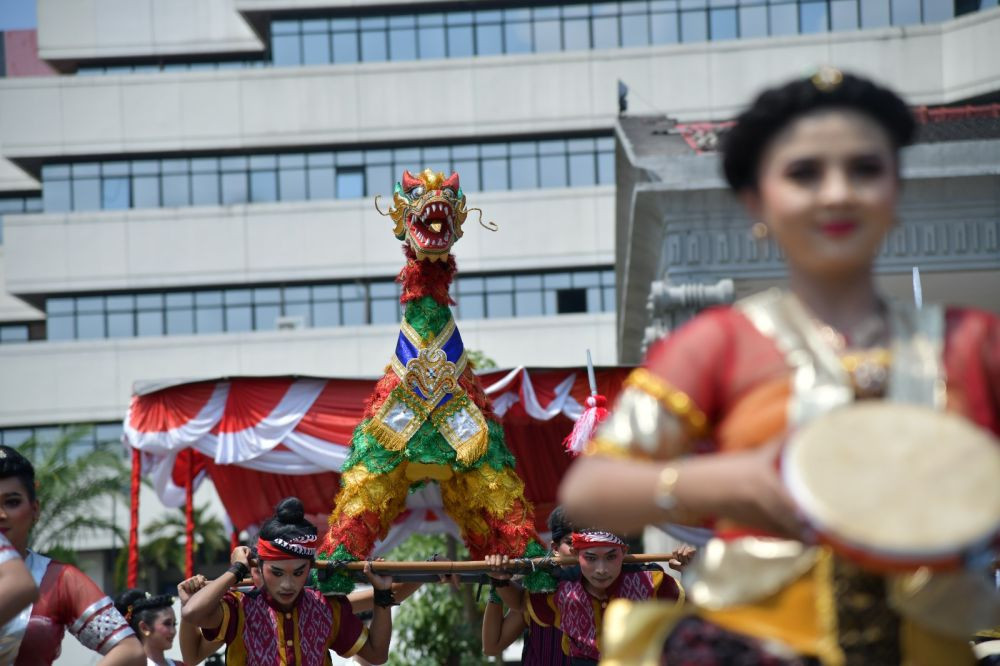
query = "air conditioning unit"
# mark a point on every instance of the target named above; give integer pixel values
(290, 323)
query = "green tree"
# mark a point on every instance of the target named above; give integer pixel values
(77, 485)
(439, 624)
(163, 542)
(479, 360)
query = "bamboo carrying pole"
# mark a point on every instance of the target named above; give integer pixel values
(447, 567)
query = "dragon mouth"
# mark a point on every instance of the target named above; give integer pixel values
(431, 228)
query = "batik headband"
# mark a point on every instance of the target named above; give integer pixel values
(281, 549)
(597, 539)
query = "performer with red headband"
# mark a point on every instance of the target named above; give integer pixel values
(577, 606)
(283, 622)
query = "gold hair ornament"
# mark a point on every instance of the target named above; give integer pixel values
(826, 79)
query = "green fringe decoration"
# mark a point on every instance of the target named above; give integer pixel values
(537, 581)
(427, 316)
(426, 446)
(336, 582)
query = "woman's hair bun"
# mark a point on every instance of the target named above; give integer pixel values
(290, 511)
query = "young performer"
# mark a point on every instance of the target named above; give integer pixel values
(816, 163)
(542, 644)
(67, 598)
(285, 622)
(17, 589)
(577, 606)
(153, 620)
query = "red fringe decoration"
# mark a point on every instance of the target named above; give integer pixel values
(474, 388)
(426, 278)
(380, 393)
(358, 534)
(132, 580)
(508, 535)
(585, 426)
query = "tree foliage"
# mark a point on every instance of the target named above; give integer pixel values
(77, 487)
(436, 625)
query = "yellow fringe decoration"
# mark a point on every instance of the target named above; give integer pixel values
(468, 495)
(361, 490)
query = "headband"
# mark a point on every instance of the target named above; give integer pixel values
(597, 539)
(280, 549)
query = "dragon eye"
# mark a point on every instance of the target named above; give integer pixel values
(448, 192)
(417, 191)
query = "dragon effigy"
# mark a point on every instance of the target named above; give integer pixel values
(428, 419)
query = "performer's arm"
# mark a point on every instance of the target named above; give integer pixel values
(364, 600)
(195, 648)
(376, 648)
(17, 588)
(512, 595)
(204, 609)
(128, 652)
(500, 631)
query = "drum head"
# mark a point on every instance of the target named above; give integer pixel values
(899, 482)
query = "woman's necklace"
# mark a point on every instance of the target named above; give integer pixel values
(864, 355)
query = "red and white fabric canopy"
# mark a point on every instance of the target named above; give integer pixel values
(262, 439)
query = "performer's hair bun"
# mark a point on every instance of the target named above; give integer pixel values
(289, 521)
(744, 144)
(13, 464)
(137, 606)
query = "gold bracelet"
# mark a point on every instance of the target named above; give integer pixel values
(663, 496)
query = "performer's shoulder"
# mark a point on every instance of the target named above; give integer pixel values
(966, 320)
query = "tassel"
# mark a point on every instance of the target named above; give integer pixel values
(586, 425)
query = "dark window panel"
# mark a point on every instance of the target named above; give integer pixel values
(570, 301)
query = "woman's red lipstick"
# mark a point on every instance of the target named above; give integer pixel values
(838, 228)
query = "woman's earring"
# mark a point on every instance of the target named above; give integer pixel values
(759, 231)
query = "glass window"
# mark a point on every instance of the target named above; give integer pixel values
(59, 327)
(321, 183)
(176, 190)
(145, 192)
(489, 39)
(528, 303)
(115, 194)
(345, 47)
(844, 14)
(812, 17)
(874, 13)
(635, 30)
(552, 169)
(403, 43)
(353, 312)
(149, 322)
(938, 10)
(582, 170)
(379, 180)
(121, 325)
(286, 50)
(180, 313)
(89, 326)
(723, 24)
(460, 41)
(784, 19)
(56, 197)
(266, 317)
(432, 41)
(204, 189)
(86, 194)
(495, 174)
(499, 304)
(548, 36)
(472, 306)
(350, 183)
(569, 301)
(517, 37)
(663, 28)
(234, 188)
(694, 26)
(906, 12)
(523, 173)
(605, 32)
(292, 184)
(316, 49)
(263, 185)
(373, 46)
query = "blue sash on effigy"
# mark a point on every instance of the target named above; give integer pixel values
(406, 351)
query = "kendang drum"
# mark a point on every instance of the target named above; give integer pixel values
(895, 486)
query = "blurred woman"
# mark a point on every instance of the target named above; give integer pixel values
(816, 164)
(17, 589)
(67, 598)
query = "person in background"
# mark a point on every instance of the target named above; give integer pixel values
(67, 597)
(153, 621)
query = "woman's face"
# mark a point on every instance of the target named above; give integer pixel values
(161, 633)
(284, 579)
(827, 189)
(601, 566)
(17, 512)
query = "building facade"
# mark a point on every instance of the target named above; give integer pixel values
(186, 186)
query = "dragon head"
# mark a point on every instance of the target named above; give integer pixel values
(428, 211)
